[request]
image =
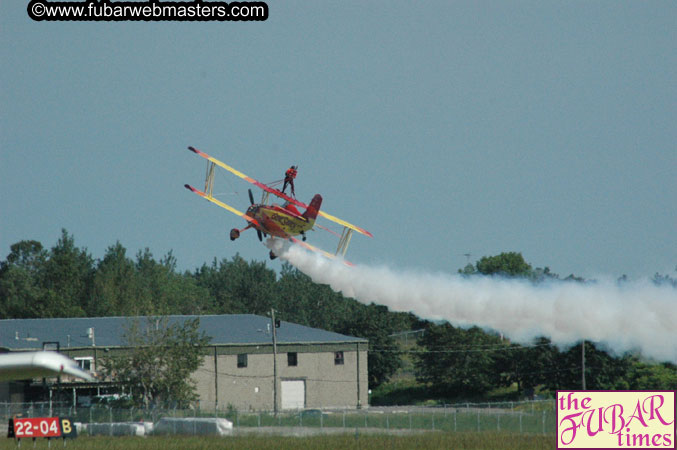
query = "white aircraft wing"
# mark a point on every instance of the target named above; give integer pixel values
(25, 365)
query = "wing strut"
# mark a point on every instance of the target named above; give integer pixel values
(344, 241)
(209, 179)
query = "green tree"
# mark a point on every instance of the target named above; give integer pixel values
(237, 286)
(303, 301)
(115, 289)
(527, 366)
(647, 376)
(157, 361)
(469, 269)
(602, 371)
(510, 264)
(67, 279)
(39, 283)
(664, 280)
(20, 286)
(540, 275)
(457, 362)
(294, 296)
(164, 291)
(29, 255)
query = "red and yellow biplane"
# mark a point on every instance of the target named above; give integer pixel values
(281, 221)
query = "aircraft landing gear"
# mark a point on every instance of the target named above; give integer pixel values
(272, 255)
(303, 236)
(234, 234)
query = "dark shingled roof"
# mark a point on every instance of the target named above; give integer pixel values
(29, 334)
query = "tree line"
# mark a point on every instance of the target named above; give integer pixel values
(450, 362)
(482, 360)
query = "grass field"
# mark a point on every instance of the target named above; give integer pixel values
(429, 440)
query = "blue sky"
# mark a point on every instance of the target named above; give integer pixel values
(444, 128)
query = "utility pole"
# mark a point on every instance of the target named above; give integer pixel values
(583, 363)
(272, 318)
(216, 380)
(357, 348)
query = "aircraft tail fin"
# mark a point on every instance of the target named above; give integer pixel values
(313, 208)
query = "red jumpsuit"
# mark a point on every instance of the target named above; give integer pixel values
(289, 176)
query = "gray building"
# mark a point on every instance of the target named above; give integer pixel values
(313, 368)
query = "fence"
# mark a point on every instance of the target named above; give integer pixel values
(516, 417)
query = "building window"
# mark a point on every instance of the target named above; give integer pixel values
(338, 358)
(85, 363)
(292, 359)
(242, 360)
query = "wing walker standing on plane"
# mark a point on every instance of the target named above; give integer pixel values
(282, 221)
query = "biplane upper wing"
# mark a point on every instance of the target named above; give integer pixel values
(278, 192)
(222, 205)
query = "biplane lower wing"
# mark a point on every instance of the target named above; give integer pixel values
(222, 205)
(278, 192)
(312, 248)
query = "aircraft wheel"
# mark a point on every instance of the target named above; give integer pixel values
(272, 255)
(234, 234)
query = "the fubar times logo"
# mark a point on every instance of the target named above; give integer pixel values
(615, 419)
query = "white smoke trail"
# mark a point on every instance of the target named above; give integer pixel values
(628, 316)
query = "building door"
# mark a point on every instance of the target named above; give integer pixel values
(293, 394)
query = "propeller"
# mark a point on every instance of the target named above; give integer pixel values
(251, 200)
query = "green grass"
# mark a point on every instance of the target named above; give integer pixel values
(435, 441)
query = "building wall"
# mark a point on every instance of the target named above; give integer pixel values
(327, 385)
